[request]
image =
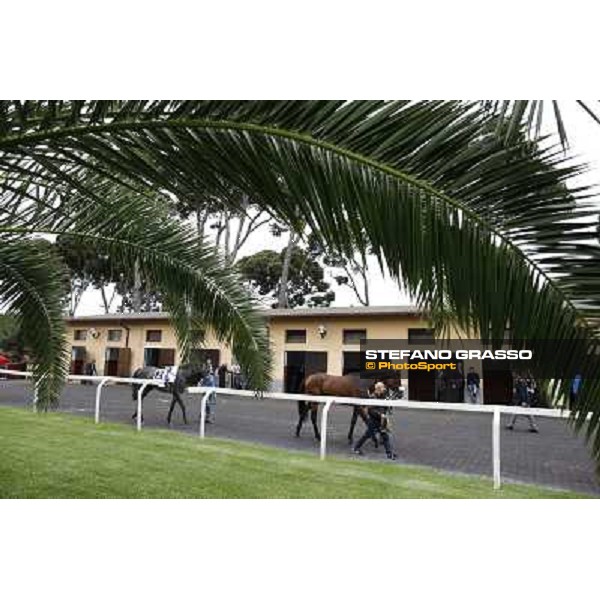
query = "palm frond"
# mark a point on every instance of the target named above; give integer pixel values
(476, 220)
(531, 112)
(32, 280)
(188, 271)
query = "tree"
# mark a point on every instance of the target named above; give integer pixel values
(304, 283)
(102, 272)
(87, 268)
(12, 341)
(474, 222)
(351, 271)
(231, 222)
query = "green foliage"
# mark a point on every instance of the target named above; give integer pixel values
(32, 280)
(88, 267)
(531, 114)
(12, 343)
(306, 285)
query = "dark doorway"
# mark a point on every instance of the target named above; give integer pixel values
(159, 357)
(497, 382)
(422, 386)
(78, 357)
(117, 362)
(300, 364)
(199, 356)
(352, 363)
(446, 385)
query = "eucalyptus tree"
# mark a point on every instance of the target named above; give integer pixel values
(476, 224)
(232, 223)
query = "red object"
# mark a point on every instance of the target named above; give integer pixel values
(3, 360)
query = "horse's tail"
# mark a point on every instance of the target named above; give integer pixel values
(303, 404)
(302, 389)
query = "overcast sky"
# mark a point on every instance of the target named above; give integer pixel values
(584, 139)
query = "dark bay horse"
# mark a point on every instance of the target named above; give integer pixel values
(186, 375)
(353, 386)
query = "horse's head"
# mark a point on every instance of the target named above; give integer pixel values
(145, 372)
(192, 373)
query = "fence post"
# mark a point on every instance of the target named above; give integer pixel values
(496, 448)
(35, 396)
(203, 402)
(98, 392)
(139, 406)
(324, 415)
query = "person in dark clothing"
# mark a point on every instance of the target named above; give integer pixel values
(473, 383)
(90, 369)
(377, 423)
(523, 396)
(222, 375)
(574, 392)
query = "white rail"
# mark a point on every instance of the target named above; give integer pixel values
(328, 401)
(103, 380)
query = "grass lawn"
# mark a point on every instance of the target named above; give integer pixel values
(62, 456)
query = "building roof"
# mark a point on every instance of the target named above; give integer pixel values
(277, 313)
(342, 311)
(117, 317)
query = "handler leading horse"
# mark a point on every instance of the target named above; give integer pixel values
(184, 375)
(322, 384)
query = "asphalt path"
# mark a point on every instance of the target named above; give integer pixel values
(445, 440)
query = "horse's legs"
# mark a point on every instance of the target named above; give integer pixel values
(302, 413)
(355, 412)
(180, 400)
(176, 399)
(171, 407)
(136, 389)
(314, 410)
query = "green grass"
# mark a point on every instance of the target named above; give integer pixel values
(62, 456)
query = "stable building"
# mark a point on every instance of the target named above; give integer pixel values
(303, 341)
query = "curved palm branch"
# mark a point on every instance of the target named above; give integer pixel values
(475, 227)
(32, 280)
(192, 276)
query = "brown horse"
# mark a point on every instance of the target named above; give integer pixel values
(322, 384)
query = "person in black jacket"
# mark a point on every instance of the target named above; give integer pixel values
(524, 392)
(377, 423)
(473, 384)
(222, 375)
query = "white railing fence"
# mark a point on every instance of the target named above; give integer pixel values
(102, 381)
(328, 402)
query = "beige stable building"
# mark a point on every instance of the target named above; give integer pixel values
(303, 341)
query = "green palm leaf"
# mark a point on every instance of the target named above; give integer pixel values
(191, 275)
(32, 280)
(532, 113)
(477, 221)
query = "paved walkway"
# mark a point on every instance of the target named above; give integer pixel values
(445, 440)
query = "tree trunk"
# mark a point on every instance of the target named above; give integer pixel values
(282, 301)
(366, 288)
(201, 218)
(136, 297)
(104, 300)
